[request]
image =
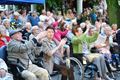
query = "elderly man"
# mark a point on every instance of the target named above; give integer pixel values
(35, 31)
(53, 56)
(18, 49)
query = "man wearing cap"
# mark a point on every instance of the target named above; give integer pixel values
(19, 49)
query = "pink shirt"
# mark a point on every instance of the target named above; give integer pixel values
(58, 34)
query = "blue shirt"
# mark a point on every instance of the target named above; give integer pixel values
(33, 20)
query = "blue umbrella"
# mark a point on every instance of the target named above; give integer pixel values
(22, 1)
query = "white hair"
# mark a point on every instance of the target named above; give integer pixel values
(34, 27)
(5, 20)
(82, 25)
(27, 24)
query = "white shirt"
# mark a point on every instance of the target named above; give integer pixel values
(43, 18)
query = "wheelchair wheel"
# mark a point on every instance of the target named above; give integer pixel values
(78, 69)
(90, 71)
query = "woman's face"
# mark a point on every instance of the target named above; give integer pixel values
(80, 31)
(50, 33)
(7, 24)
(3, 33)
(91, 31)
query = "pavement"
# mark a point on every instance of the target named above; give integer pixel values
(116, 75)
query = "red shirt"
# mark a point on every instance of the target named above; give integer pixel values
(2, 43)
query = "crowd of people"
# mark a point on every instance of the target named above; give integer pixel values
(26, 35)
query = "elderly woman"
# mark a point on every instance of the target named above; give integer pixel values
(6, 24)
(4, 39)
(81, 42)
(103, 44)
(4, 75)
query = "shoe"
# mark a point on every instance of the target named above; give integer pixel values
(112, 68)
(108, 78)
(119, 65)
(118, 69)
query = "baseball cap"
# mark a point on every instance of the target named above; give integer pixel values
(12, 32)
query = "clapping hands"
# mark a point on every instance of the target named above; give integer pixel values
(41, 35)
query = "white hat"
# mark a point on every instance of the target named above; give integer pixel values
(16, 14)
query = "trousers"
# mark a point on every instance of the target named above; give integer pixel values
(35, 73)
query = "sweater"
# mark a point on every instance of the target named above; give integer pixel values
(78, 40)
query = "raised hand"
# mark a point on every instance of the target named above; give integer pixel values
(62, 42)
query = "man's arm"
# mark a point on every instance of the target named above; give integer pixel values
(23, 46)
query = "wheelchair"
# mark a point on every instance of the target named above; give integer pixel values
(74, 62)
(13, 67)
(89, 68)
(77, 68)
(90, 71)
(115, 50)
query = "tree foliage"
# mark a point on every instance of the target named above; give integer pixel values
(113, 11)
(54, 4)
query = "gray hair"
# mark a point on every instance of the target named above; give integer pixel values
(27, 24)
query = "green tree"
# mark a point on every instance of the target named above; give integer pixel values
(54, 4)
(51, 5)
(113, 11)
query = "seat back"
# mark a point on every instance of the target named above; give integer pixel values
(3, 53)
